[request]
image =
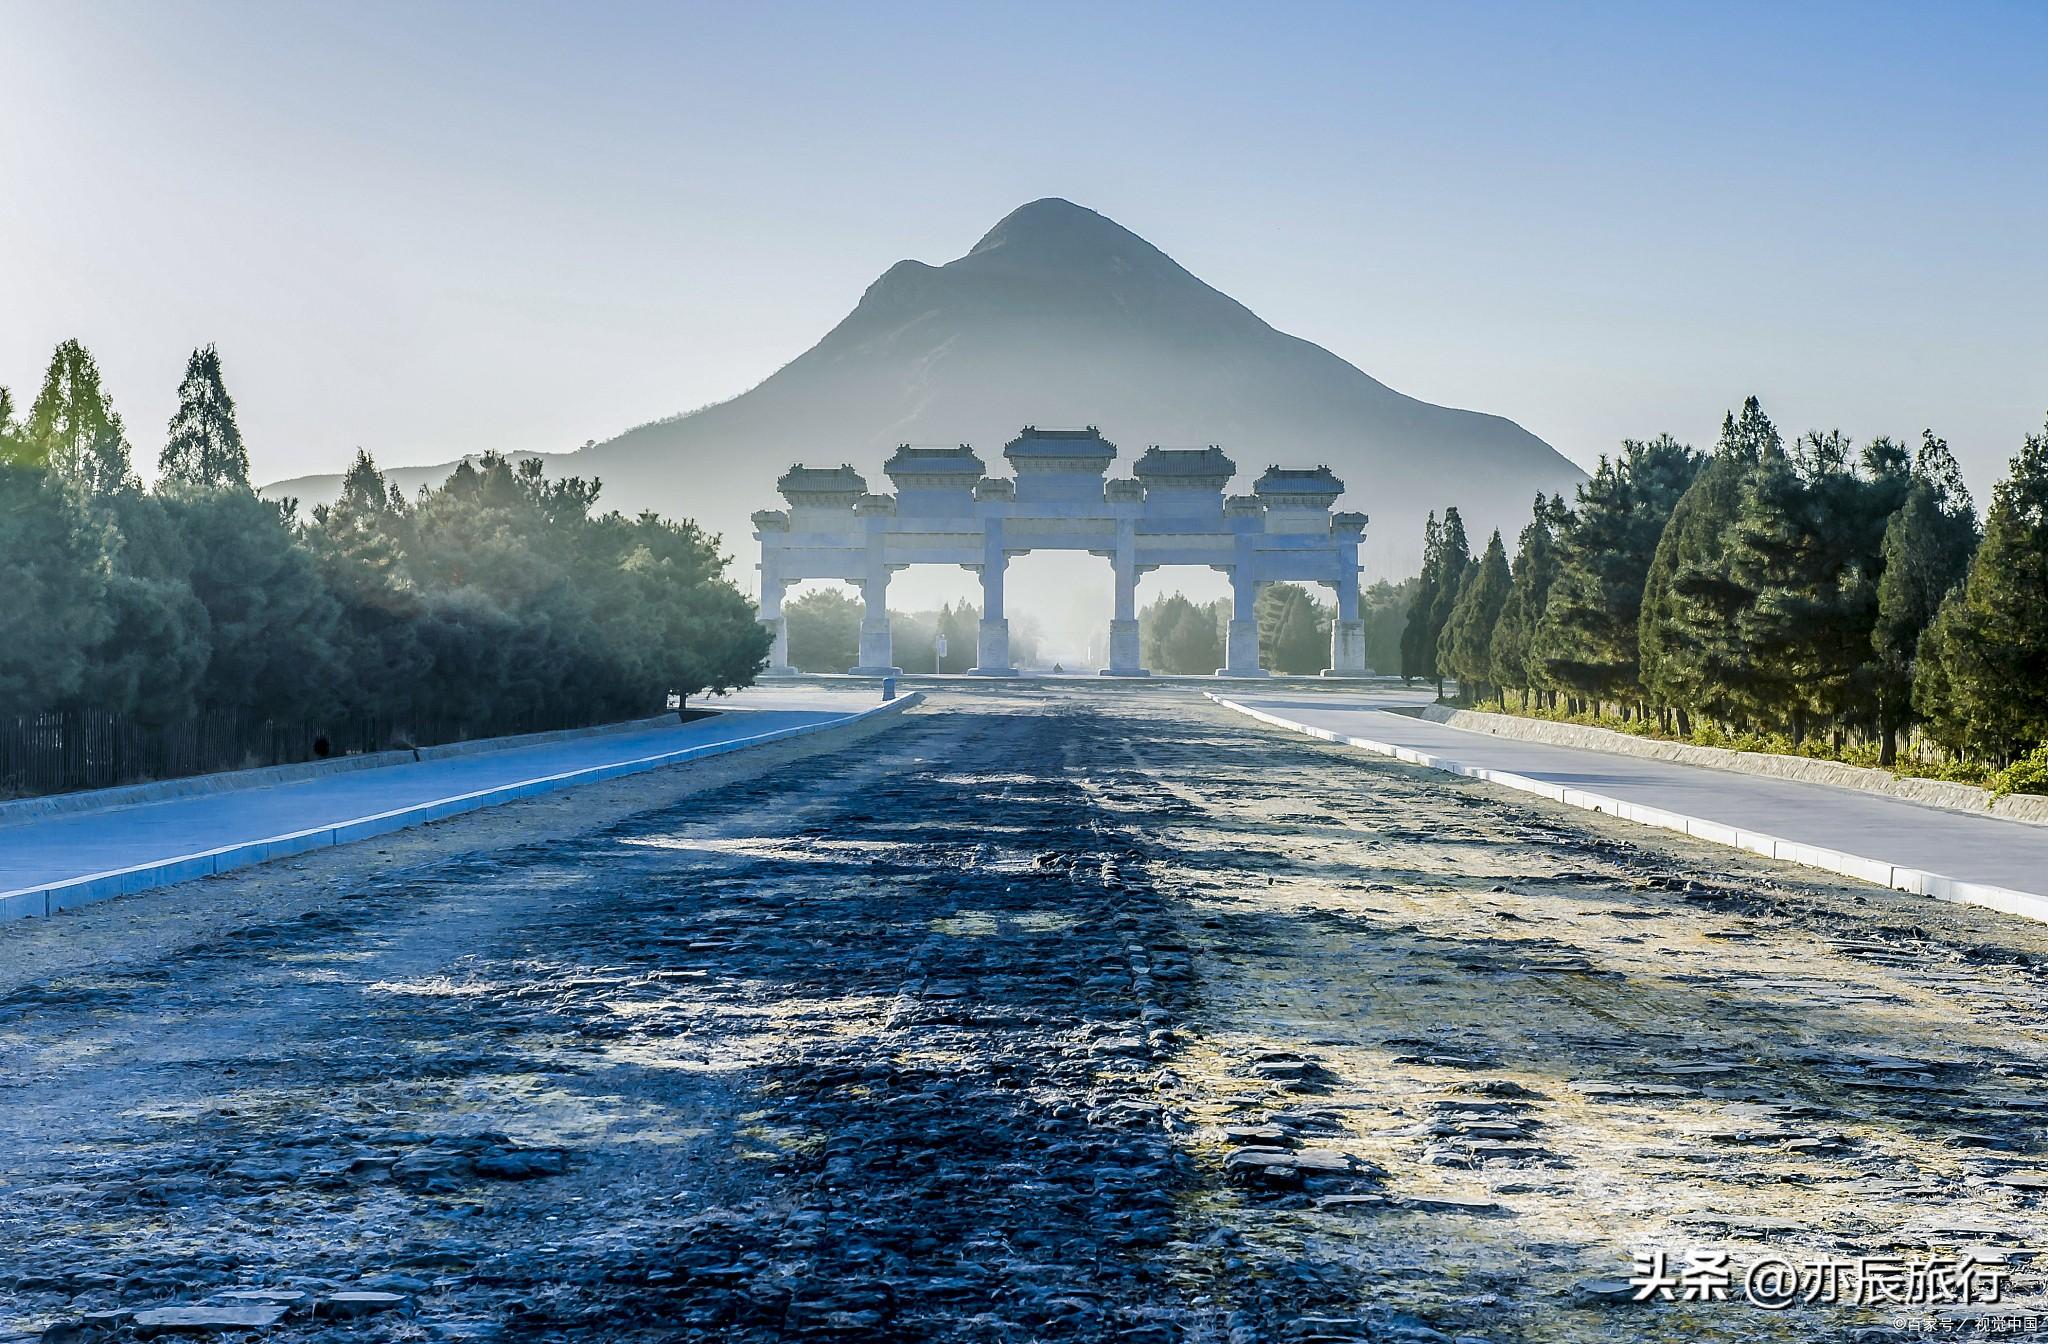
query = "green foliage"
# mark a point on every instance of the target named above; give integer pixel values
(1587, 637)
(1982, 679)
(1465, 649)
(496, 602)
(914, 639)
(1418, 642)
(53, 606)
(1446, 556)
(73, 429)
(824, 630)
(1687, 646)
(1180, 636)
(1927, 547)
(1294, 630)
(1509, 653)
(204, 444)
(1383, 608)
(2028, 774)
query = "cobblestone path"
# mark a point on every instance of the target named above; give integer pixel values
(1075, 1014)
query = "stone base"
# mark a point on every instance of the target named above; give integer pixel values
(1347, 650)
(1241, 652)
(1125, 672)
(874, 671)
(780, 672)
(1343, 675)
(1125, 659)
(992, 650)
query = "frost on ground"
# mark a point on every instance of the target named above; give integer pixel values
(1093, 1014)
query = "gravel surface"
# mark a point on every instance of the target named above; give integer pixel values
(1089, 1013)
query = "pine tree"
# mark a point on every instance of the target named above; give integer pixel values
(1807, 544)
(53, 607)
(1534, 568)
(1454, 568)
(1294, 630)
(204, 444)
(73, 428)
(1982, 679)
(1587, 639)
(12, 445)
(1928, 543)
(1418, 647)
(1466, 648)
(1691, 657)
(1179, 636)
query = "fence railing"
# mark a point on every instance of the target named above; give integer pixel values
(86, 749)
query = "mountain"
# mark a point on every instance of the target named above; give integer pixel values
(1059, 316)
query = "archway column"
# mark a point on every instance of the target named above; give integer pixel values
(1241, 647)
(877, 655)
(1126, 659)
(992, 645)
(1347, 631)
(772, 590)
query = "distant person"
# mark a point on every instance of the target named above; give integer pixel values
(1057, 669)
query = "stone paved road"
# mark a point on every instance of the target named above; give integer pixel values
(1050, 1013)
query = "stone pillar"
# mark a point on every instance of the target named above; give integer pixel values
(1125, 657)
(1347, 632)
(992, 647)
(778, 625)
(876, 655)
(1241, 649)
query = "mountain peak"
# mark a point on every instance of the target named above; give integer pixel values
(1057, 232)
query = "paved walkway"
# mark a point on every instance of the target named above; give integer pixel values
(1927, 850)
(56, 862)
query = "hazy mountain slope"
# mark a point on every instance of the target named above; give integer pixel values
(1061, 317)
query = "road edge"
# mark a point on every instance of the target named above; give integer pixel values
(1913, 881)
(44, 901)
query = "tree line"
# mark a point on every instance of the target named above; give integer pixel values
(495, 601)
(1836, 599)
(824, 635)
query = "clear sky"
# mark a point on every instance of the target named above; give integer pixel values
(436, 228)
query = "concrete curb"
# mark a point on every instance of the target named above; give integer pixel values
(17, 811)
(29, 902)
(1915, 881)
(1941, 793)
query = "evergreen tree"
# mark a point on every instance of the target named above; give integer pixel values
(73, 428)
(1509, 654)
(149, 665)
(824, 630)
(53, 609)
(204, 444)
(1294, 630)
(1806, 546)
(1383, 607)
(1180, 636)
(1982, 679)
(1928, 543)
(1455, 566)
(1418, 646)
(1587, 639)
(272, 618)
(13, 447)
(1466, 646)
(1691, 656)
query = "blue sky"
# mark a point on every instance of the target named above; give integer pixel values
(442, 228)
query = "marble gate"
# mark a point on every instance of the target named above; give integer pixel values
(1171, 511)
